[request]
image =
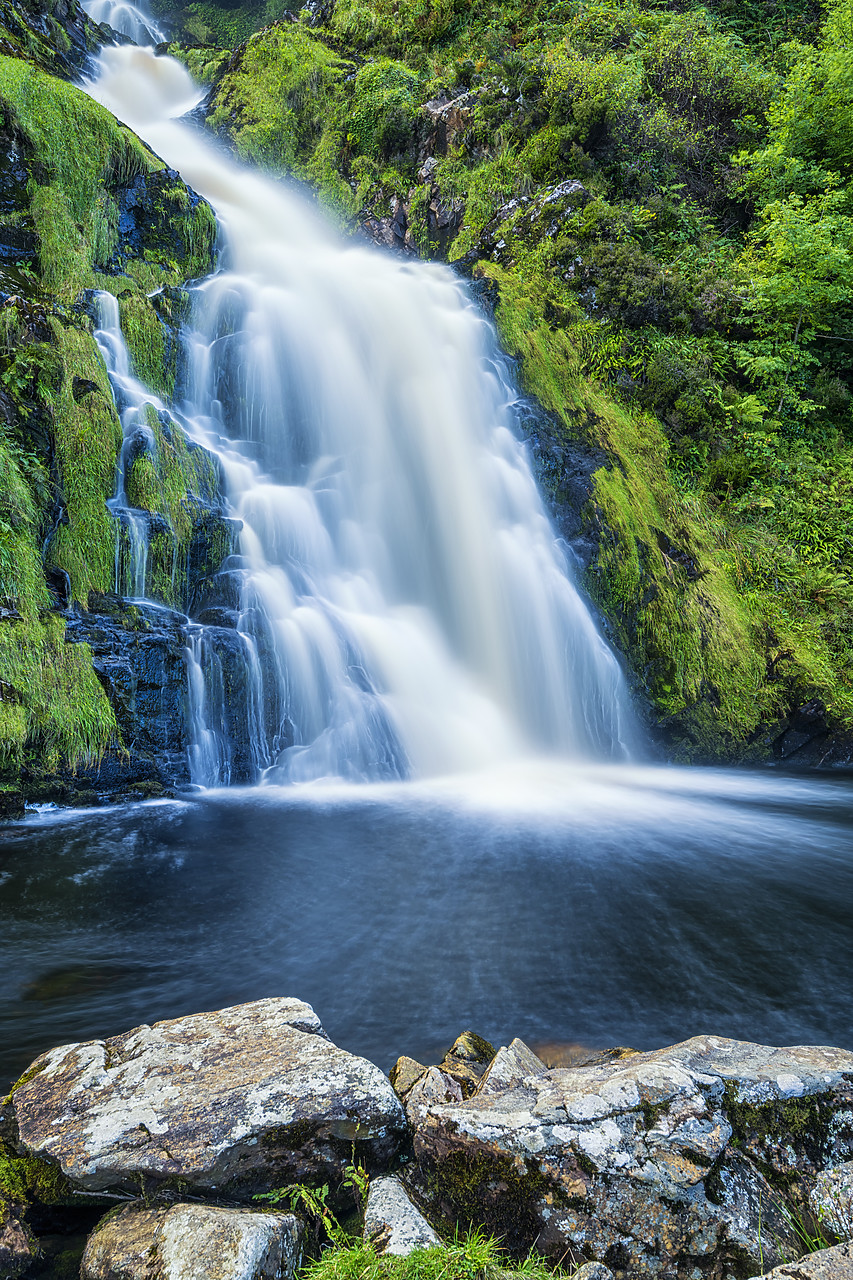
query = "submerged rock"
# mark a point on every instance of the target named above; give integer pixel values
(193, 1242)
(392, 1224)
(17, 1252)
(674, 1163)
(232, 1102)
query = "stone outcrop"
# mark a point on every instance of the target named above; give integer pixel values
(193, 1242)
(231, 1103)
(674, 1163)
(392, 1224)
(826, 1264)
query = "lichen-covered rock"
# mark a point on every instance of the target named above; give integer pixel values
(392, 1224)
(405, 1073)
(826, 1264)
(193, 1242)
(467, 1061)
(510, 1067)
(674, 1163)
(238, 1100)
(831, 1200)
(434, 1087)
(593, 1271)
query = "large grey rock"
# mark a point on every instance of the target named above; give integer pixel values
(672, 1163)
(827, 1264)
(193, 1242)
(392, 1224)
(239, 1100)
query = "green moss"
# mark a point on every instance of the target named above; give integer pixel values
(88, 438)
(177, 481)
(25, 1179)
(145, 336)
(478, 1189)
(280, 100)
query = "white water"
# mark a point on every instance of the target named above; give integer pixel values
(129, 19)
(405, 608)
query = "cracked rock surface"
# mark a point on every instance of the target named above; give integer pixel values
(672, 1163)
(229, 1102)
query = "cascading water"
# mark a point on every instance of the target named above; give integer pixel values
(401, 605)
(128, 19)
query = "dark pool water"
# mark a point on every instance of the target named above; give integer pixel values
(593, 906)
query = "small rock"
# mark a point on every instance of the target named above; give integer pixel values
(831, 1199)
(239, 1100)
(593, 1271)
(17, 1252)
(509, 1067)
(432, 1089)
(467, 1060)
(405, 1073)
(392, 1224)
(826, 1264)
(193, 1242)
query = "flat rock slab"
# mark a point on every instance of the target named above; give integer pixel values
(392, 1224)
(826, 1264)
(672, 1163)
(240, 1101)
(193, 1242)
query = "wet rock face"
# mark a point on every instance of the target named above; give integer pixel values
(138, 654)
(57, 33)
(193, 1242)
(675, 1163)
(231, 1103)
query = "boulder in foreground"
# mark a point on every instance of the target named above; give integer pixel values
(678, 1163)
(193, 1242)
(232, 1102)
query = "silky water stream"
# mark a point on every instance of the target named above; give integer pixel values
(447, 824)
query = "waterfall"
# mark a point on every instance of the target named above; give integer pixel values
(129, 19)
(399, 604)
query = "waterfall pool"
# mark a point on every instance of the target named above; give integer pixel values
(593, 905)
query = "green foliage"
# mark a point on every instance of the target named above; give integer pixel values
(88, 438)
(473, 1256)
(384, 111)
